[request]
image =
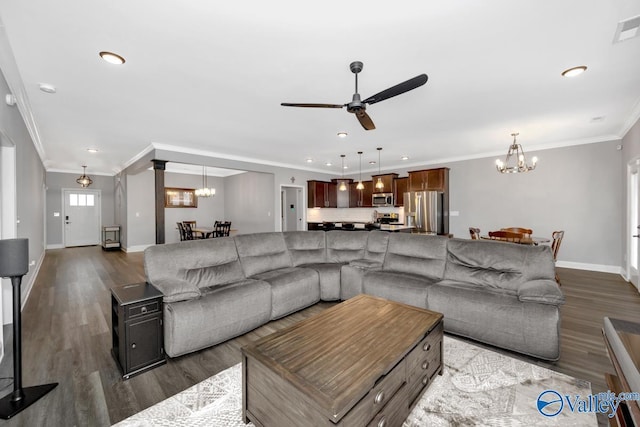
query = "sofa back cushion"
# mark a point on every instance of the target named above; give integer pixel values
(306, 247)
(497, 265)
(203, 263)
(422, 255)
(262, 252)
(377, 243)
(345, 246)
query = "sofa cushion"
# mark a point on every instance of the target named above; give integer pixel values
(329, 274)
(292, 289)
(201, 263)
(416, 254)
(497, 264)
(400, 287)
(262, 252)
(377, 243)
(222, 313)
(306, 247)
(176, 289)
(344, 246)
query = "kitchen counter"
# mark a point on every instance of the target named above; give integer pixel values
(357, 225)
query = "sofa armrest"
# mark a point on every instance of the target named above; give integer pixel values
(366, 264)
(541, 291)
(177, 290)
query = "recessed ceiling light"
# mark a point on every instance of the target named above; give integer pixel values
(47, 88)
(597, 119)
(372, 162)
(328, 164)
(112, 58)
(309, 160)
(404, 158)
(342, 134)
(575, 71)
(345, 167)
(92, 150)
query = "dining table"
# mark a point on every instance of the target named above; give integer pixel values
(530, 240)
(203, 232)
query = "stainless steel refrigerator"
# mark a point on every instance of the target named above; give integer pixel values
(424, 210)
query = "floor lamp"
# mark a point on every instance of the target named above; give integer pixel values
(14, 263)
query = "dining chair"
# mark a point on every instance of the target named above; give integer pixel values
(188, 232)
(475, 233)
(555, 247)
(181, 230)
(192, 224)
(226, 229)
(526, 231)
(506, 236)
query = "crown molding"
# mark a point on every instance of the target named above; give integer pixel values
(632, 120)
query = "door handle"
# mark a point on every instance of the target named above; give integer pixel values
(636, 235)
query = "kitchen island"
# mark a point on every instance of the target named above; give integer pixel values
(358, 226)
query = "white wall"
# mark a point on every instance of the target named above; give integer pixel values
(249, 202)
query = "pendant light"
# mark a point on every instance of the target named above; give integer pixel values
(342, 186)
(520, 162)
(360, 185)
(205, 191)
(379, 183)
(84, 180)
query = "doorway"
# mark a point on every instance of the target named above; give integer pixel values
(292, 208)
(633, 223)
(81, 217)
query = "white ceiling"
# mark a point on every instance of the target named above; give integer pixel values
(210, 76)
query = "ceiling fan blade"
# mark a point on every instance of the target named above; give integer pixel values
(397, 89)
(365, 120)
(286, 104)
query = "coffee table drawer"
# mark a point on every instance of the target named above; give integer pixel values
(375, 400)
(424, 347)
(394, 413)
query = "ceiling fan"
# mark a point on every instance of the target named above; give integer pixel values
(358, 107)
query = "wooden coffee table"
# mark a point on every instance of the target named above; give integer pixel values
(365, 361)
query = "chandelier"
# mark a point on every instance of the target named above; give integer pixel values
(84, 180)
(379, 183)
(205, 191)
(518, 163)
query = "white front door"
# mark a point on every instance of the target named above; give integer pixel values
(633, 226)
(81, 217)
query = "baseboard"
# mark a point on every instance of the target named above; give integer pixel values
(55, 246)
(136, 248)
(26, 287)
(615, 269)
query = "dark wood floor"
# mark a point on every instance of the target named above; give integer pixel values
(66, 339)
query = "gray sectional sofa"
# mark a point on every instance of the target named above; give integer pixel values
(496, 293)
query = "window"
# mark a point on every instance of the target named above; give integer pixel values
(81, 199)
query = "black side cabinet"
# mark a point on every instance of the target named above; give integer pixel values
(136, 328)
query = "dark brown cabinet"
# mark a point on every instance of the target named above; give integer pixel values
(322, 194)
(430, 180)
(136, 328)
(400, 186)
(387, 182)
(361, 198)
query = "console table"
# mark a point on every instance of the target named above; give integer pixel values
(136, 328)
(364, 362)
(622, 339)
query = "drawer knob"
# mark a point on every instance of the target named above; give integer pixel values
(425, 380)
(379, 397)
(133, 345)
(425, 364)
(143, 309)
(426, 346)
(382, 422)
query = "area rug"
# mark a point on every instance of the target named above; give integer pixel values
(479, 387)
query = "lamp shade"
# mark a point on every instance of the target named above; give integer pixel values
(14, 257)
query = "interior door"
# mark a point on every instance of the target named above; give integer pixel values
(633, 228)
(81, 217)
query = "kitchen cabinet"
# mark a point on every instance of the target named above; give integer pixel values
(430, 180)
(400, 186)
(342, 196)
(361, 198)
(321, 194)
(387, 180)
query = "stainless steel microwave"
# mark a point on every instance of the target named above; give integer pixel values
(382, 199)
